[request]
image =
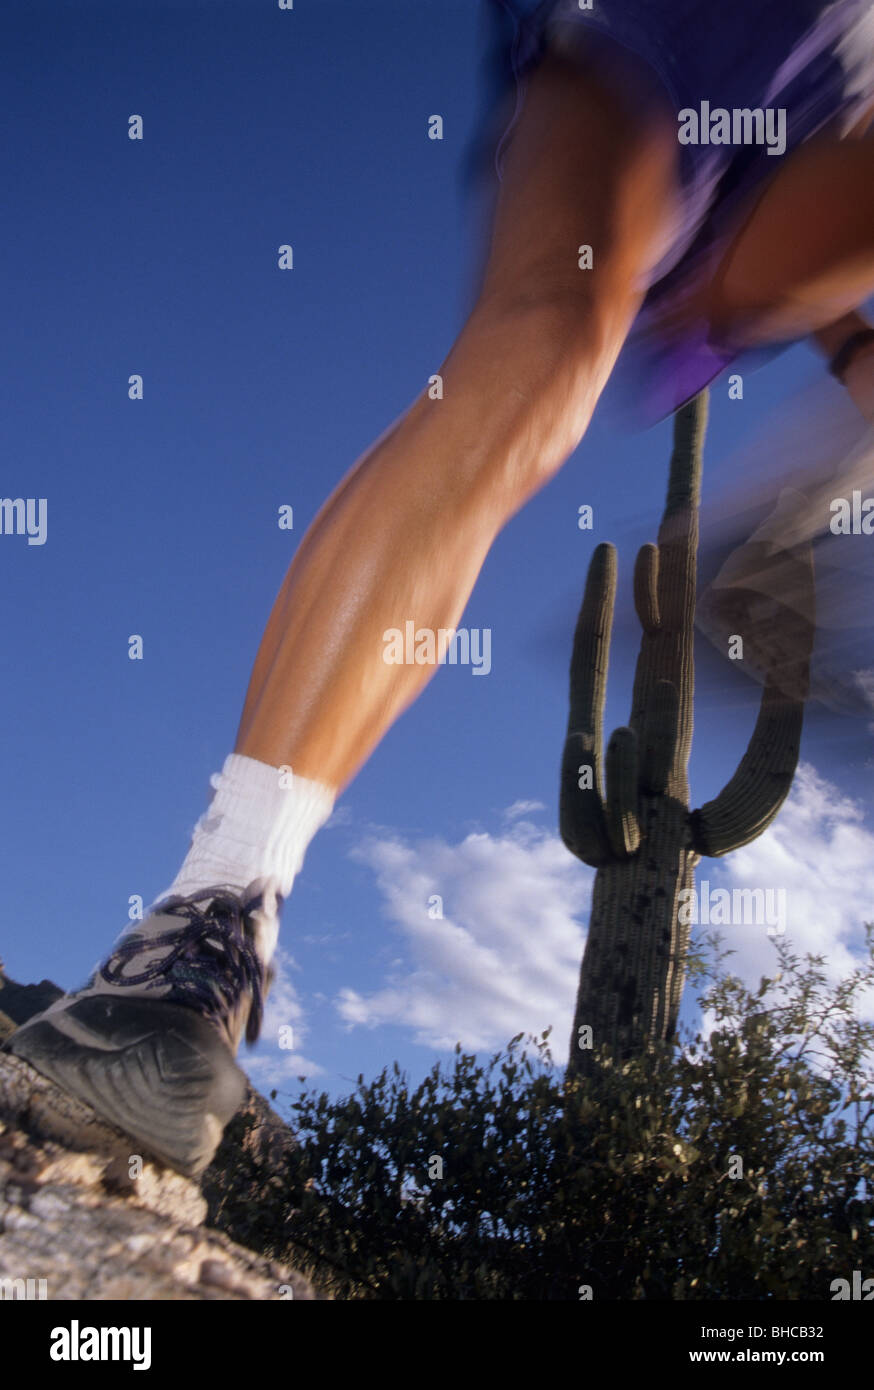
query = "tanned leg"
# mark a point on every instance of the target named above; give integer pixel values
(405, 535)
(803, 258)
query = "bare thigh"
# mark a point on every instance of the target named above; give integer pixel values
(586, 167)
(803, 255)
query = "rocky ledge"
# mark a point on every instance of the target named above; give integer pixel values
(74, 1223)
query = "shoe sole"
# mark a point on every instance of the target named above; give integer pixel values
(157, 1071)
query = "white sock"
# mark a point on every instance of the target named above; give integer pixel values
(259, 824)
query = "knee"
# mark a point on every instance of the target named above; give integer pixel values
(546, 338)
(560, 309)
(550, 354)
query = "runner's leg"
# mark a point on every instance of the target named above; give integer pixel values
(405, 535)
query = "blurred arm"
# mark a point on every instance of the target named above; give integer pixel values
(859, 375)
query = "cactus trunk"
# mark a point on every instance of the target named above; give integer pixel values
(631, 980)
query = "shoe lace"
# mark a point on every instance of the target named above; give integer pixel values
(213, 959)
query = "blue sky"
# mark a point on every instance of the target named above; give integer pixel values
(261, 388)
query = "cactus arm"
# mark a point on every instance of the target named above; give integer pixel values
(678, 533)
(582, 820)
(621, 766)
(646, 578)
(751, 799)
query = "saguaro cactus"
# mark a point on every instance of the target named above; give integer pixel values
(638, 831)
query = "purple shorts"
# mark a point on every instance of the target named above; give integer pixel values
(749, 80)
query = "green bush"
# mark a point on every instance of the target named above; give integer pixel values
(627, 1183)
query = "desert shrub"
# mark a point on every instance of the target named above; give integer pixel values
(737, 1164)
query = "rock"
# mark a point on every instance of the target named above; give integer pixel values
(77, 1214)
(21, 1002)
(72, 1215)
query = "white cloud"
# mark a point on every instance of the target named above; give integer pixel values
(818, 850)
(522, 808)
(505, 956)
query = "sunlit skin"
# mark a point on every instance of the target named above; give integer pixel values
(405, 534)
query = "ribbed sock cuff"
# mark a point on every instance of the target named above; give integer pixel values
(259, 824)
